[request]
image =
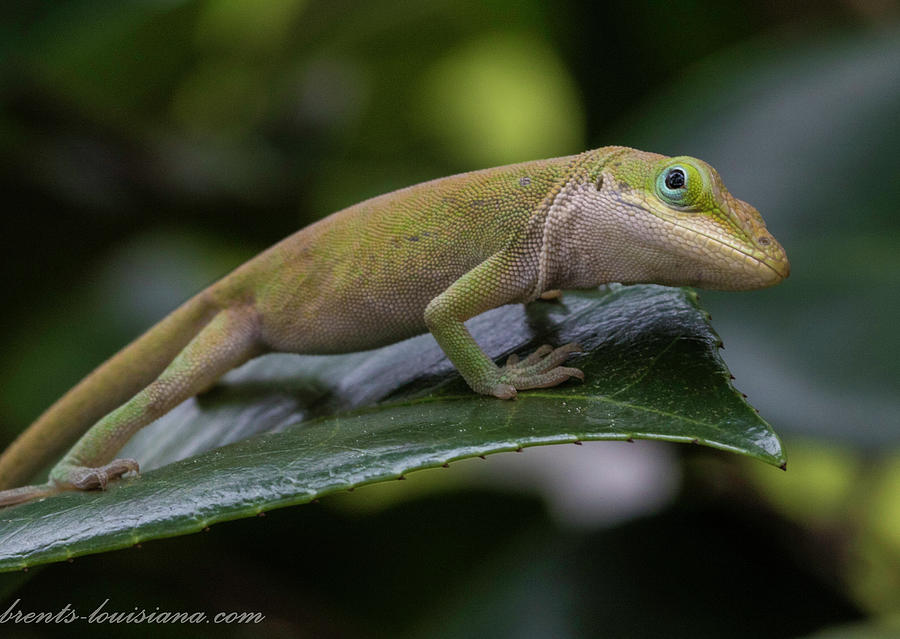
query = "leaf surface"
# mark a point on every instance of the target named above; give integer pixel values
(309, 426)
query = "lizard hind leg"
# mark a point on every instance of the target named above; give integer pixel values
(229, 340)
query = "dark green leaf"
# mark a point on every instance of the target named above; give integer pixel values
(332, 423)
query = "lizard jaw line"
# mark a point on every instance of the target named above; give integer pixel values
(760, 261)
(642, 204)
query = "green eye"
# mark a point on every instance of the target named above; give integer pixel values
(678, 185)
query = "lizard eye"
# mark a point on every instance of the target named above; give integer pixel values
(679, 185)
(675, 179)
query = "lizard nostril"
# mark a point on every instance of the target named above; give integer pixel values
(765, 241)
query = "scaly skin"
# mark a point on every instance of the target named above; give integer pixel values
(424, 258)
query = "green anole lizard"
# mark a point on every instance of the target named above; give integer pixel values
(424, 258)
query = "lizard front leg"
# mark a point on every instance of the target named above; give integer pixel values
(492, 283)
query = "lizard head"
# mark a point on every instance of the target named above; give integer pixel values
(685, 225)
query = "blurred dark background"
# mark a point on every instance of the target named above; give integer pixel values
(150, 146)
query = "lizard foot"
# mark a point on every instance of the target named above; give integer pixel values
(541, 369)
(553, 294)
(86, 478)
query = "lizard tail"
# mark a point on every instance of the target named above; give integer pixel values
(15, 496)
(106, 388)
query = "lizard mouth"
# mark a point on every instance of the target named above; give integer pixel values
(781, 268)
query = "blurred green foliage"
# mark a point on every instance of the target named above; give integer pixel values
(499, 99)
(149, 146)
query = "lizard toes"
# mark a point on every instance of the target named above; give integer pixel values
(555, 358)
(549, 378)
(87, 478)
(534, 358)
